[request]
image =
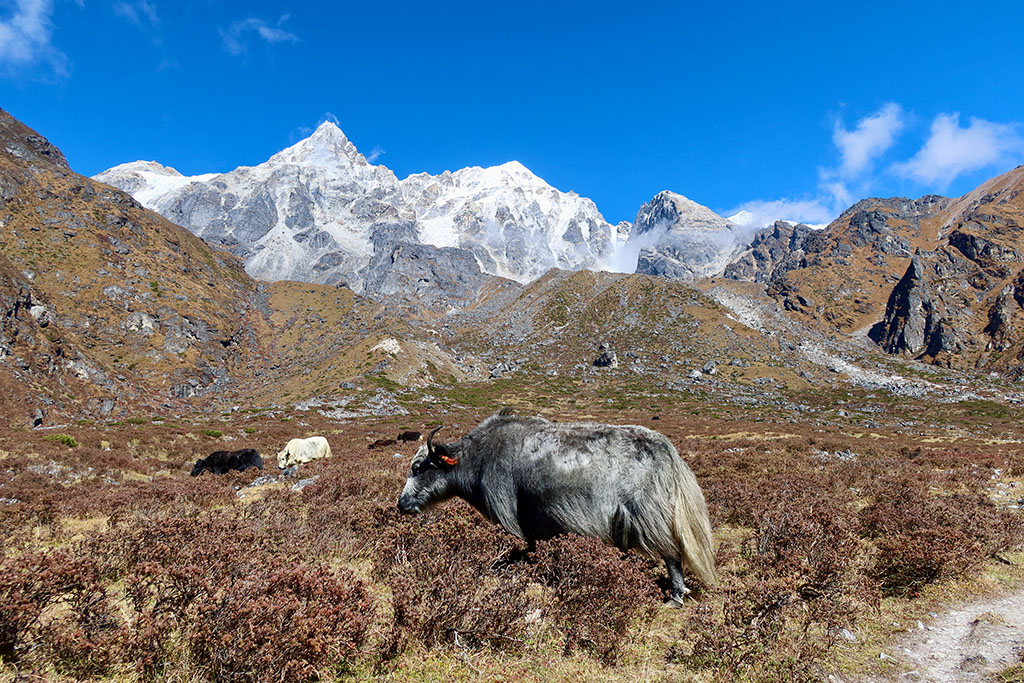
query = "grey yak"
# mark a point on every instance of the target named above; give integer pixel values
(624, 484)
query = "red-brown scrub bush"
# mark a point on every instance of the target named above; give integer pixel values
(450, 582)
(287, 625)
(600, 596)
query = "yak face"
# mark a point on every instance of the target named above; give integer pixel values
(429, 481)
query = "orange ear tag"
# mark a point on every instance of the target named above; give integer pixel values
(449, 460)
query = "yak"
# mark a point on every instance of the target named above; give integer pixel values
(222, 462)
(626, 485)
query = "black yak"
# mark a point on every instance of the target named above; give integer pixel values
(222, 462)
(626, 485)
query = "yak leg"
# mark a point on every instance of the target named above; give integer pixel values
(679, 589)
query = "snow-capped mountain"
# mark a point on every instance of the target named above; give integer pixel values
(319, 211)
(679, 238)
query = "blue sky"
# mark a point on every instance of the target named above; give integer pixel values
(811, 105)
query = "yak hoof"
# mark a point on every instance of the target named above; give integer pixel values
(677, 597)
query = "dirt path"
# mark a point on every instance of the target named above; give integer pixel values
(971, 642)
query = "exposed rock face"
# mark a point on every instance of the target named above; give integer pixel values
(423, 275)
(965, 299)
(119, 305)
(914, 320)
(774, 251)
(681, 239)
(840, 277)
(320, 212)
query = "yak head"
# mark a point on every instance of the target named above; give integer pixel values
(429, 481)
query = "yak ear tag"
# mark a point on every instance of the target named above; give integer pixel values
(449, 460)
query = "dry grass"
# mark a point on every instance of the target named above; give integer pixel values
(104, 548)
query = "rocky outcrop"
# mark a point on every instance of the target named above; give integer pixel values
(420, 275)
(775, 251)
(680, 239)
(962, 304)
(914, 322)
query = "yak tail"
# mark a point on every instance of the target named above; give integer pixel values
(692, 529)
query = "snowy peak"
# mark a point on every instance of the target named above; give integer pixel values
(147, 181)
(673, 212)
(325, 147)
(318, 211)
(679, 238)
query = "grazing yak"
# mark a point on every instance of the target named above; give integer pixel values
(410, 436)
(626, 485)
(222, 462)
(301, 451)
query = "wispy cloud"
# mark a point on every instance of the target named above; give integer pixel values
(143, 15)
(840, 185)
(376, 153)
(952, 150)
(25, 38)
(236, 37)
(872, 137)
(758, 213)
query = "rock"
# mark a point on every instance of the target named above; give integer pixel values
(847, 635)
(140, 322)
(303, 483)
(695, 374)
(773, 252)
(689, 240)
(607, 359)
(37, 417)
(710, 368)
(42, 315)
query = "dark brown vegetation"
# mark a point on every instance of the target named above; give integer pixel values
(117, 563)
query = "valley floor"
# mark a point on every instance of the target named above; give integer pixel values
(838, 527)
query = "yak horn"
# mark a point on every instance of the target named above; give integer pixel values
(430, 438)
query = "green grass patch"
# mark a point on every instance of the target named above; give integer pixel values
(65, 439)
(215, 433)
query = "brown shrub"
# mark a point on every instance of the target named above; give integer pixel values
(922, 537)
(450, 580)
(286, 625)
(600, 596)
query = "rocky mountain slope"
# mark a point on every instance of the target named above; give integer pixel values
(937, 279)
(319, 212)
(103, 303)
(962, 302)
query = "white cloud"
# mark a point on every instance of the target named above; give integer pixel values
(375, 154)
(25, 36)
(951, 150)
(760, 212)
(872, 137)
(236, 36)
(839, 186)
